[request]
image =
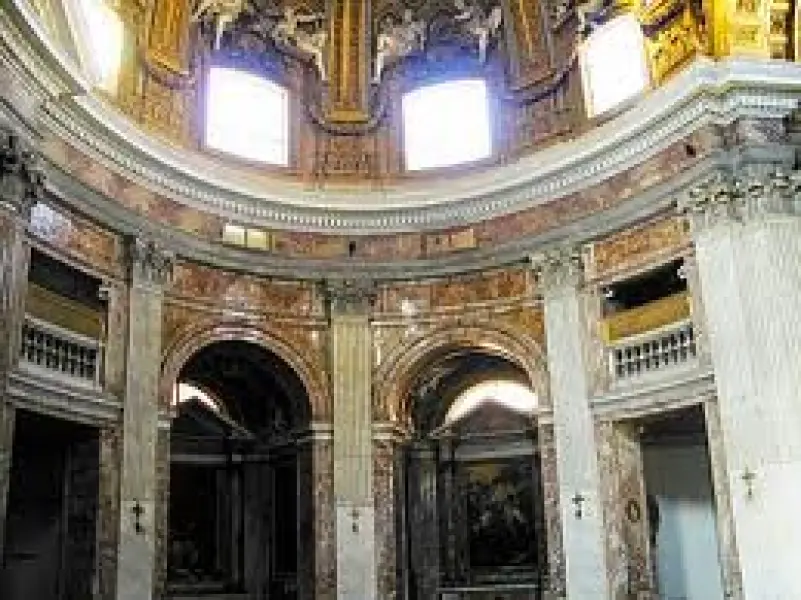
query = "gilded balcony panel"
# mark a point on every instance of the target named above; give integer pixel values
(63, 312)
(648, 317)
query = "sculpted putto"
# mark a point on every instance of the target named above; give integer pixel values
(224, 13)
(288, 32)
(396, 40)
(483, 27)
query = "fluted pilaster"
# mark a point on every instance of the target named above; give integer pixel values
(150, 270)
(351, 368)
(559, 274)
(747, 232)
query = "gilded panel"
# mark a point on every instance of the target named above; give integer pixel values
(648, 317)
(169, 34)
(349, 60)
(528, 49)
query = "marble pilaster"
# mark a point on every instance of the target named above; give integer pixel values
(625, 513)
(747, 234)
(108, 511)
(560, 273)
(727, 543)
(553, 518)
(350, 363)
(150, 271)
(424, 521)
(317, 543)
(387, 496)
(21, 184)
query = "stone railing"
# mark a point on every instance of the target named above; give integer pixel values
(658, 350)
(60, 352)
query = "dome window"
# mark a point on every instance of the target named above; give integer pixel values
(446, 124)
(247, 116)
(613, 63)
(99, 36)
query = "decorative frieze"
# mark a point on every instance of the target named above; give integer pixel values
(757, 191)
(21, 181)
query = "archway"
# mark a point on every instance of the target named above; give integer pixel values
(237, 488)
(473, 508)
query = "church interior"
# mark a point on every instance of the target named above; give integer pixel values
(400, 299)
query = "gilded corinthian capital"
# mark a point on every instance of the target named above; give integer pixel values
(558, 267)
(21, 181)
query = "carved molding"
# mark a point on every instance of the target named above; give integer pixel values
(149, 262)
(559, 267)
(757, 192)
(21, 181)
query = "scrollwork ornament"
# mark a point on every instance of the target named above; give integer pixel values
(149, 262)
(21, 180)
(559, 267)
(350, 296)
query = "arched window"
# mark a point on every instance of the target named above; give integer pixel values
(99, 35)
(446, 124)
(613, 64)
(247, 116)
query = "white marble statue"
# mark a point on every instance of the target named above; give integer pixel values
(224, 13)
(396, 40)
(483, 27)
(288, 32)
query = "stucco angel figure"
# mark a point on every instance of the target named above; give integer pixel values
(396, 40)
(586, 9)
(288, 32)
(481, 26)
(224, 12)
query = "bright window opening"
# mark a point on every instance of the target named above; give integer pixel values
(511, 394)
(247, 116)
(99, 35)
(614, 65)
(446, 124)
(186, 392)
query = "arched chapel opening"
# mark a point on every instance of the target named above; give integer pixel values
(473, 506)
(238, 493)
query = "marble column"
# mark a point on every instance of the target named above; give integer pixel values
(387, 477)
(21, 184)
(424, 519)
(560, 273)
(555, 584)
(625, 511)
(747, 235)
(150, 270)
(727, 543)
(350, 360)
(317, 531)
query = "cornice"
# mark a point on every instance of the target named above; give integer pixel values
(707, 92)
(655, 200)
(38, 391)
(671, 390)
